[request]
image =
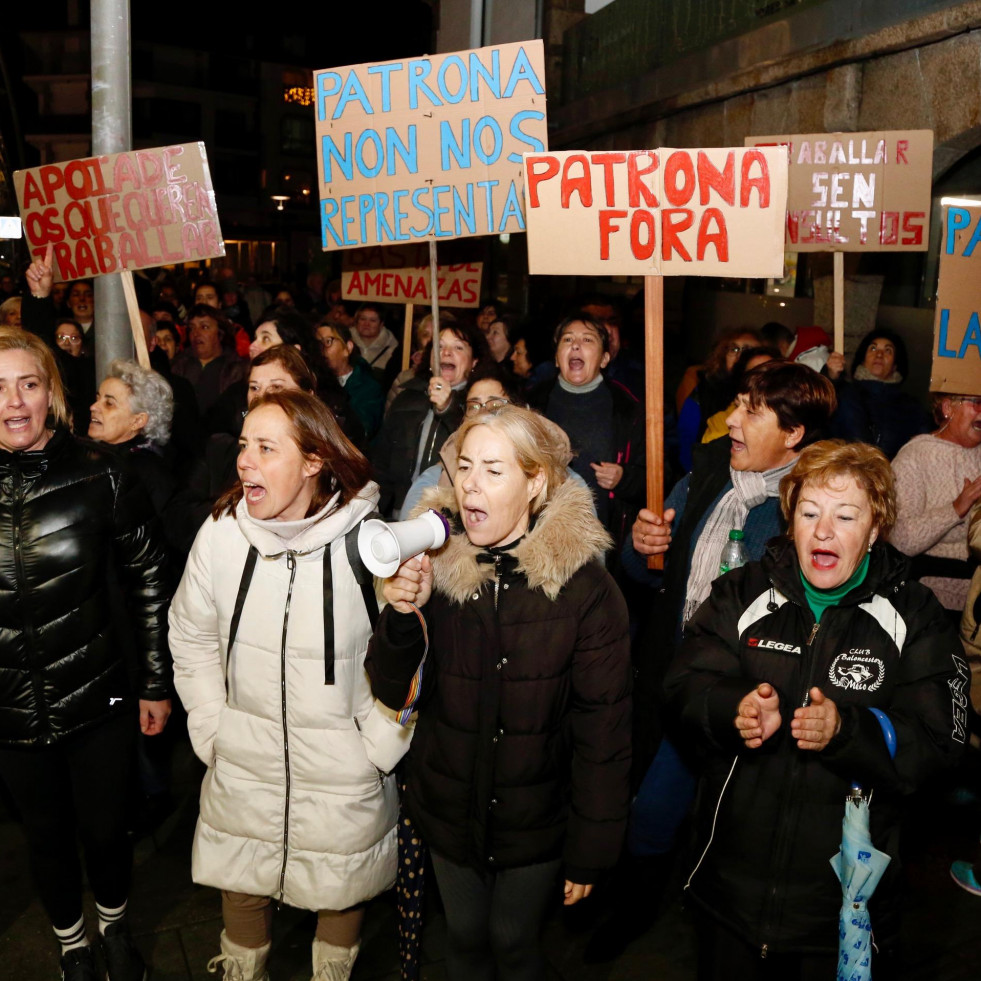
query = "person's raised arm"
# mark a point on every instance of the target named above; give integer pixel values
(38, 312)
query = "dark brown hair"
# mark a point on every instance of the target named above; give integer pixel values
(212, 313)
(715, 363)
(317, 436)
(798, 395)
(587, 321)
(294, 363)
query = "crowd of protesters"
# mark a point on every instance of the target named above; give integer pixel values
(539, 706)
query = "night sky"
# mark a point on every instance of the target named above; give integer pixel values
(332, 33)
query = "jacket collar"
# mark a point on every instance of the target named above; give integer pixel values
(273, 538)
(33, 463)
(564, 537)
(888, 569)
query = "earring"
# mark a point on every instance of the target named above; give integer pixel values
(870, 546)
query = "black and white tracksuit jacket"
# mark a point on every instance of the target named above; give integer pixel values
(888, 645)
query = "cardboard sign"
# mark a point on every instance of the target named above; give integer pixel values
(121, 211)
(957, 330)
(857, 192)
(713, 212)
(428, 148)
(401, 275)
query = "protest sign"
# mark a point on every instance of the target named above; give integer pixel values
(121, 211)
(957, 330)
(668, 212)
(400, 274)
(428, 148)
(857, 192)
(655, 213)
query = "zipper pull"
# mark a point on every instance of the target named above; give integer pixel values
(290, 561)
(814, 630)
(764, 950)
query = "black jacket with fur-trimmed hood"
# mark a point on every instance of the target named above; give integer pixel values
(522, 747)
(773, 815)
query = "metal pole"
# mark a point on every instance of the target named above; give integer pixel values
(476, 23)
(111, 133)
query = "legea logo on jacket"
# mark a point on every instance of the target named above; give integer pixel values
(773, 645)
(857, 672)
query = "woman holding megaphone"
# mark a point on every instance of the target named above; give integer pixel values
(297, 803)
(517, 778)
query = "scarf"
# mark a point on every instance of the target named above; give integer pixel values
(749, 490)
(862, 374)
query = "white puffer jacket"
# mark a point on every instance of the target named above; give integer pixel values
(297, 802)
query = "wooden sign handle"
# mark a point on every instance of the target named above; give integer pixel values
(434, 300)
(135, 323)
(654, 399)
(839, 289)
(407, 336)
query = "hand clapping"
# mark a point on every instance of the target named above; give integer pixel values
(816, 725)
(758, 715)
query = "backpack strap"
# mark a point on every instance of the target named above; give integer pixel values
(243, 590)
(328, 619)
(361, 573)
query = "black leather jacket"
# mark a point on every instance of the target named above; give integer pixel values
(73, 524)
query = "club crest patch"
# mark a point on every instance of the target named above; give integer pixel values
(857, 672)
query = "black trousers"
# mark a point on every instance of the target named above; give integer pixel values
(724, 956)
(494, 919)
(78, 789)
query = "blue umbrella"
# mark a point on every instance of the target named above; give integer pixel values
(859, 867)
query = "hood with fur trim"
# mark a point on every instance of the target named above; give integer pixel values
(565, 536)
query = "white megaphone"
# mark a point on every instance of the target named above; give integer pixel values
(384, 547)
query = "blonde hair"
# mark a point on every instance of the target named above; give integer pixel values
(831, 459)
(13, 339)
(539, 445)
(8, 305)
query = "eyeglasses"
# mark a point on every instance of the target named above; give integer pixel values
(972, 400)
(475, 405)
(326, 342)
(68, 338)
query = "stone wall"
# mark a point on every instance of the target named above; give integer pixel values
(924, 73)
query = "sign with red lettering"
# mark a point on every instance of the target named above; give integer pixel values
(857, 192)
(957, 327)
(400, 274)
(712, 212)
(121, 211)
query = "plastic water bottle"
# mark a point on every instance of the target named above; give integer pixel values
(734, 552)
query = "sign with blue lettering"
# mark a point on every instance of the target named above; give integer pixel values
(957, 331)
(428, 148)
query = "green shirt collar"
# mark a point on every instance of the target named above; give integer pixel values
(820, 599)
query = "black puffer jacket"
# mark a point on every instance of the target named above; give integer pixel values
(521, 752)
(396, 447)
(68, 515)
(888, 646)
